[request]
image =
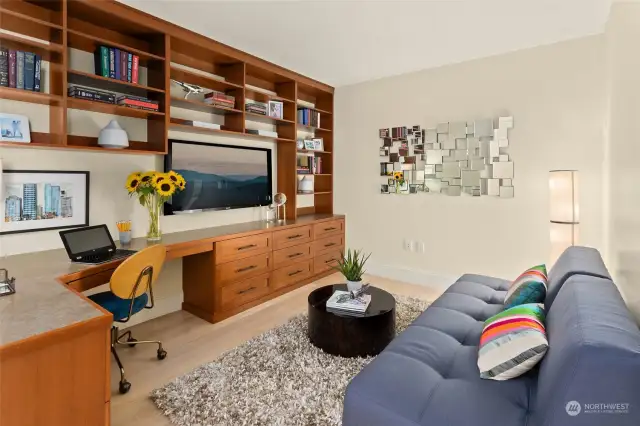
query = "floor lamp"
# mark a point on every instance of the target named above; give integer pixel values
(565, 210)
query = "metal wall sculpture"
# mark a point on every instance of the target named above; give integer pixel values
(453, 158)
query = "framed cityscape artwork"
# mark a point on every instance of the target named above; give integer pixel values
(43, 200)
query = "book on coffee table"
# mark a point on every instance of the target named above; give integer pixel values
(339, 303)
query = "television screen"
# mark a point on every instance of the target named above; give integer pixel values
(219, 176)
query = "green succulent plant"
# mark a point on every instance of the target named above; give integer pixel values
(351, 264)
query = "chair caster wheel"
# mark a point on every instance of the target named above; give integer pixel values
(162, 354)
(124, 387)
(131, 339)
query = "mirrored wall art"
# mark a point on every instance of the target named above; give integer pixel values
(456, 158)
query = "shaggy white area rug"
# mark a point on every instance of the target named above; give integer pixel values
(277, 378)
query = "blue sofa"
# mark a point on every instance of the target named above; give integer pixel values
(590, 376)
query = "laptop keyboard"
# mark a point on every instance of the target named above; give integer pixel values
(96, 259)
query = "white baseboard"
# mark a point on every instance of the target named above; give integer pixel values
(413, 276)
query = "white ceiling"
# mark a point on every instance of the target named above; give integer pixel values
(346, 42)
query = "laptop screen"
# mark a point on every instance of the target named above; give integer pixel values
(87, 240)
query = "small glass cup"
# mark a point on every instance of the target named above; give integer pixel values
(125, 237)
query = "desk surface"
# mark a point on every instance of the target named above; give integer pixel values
(42, 304)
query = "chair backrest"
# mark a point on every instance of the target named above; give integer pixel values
(124, 279)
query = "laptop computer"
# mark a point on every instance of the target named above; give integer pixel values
(92, 245)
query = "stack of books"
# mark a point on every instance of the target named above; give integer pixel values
(220, 99)
(116, 64)
(268, 133)
(256, 108)
(138, 102)
(20, 70)
(308, 117)
(91, 94)
(309, 165)
(202, 124)
(346, 305)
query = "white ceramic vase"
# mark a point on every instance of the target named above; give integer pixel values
(113, 136)
(354, 285)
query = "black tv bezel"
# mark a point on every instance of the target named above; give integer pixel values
(168, 208)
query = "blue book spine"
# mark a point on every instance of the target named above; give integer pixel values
(37, 73)
(29, 70)
(117, 57)
(112, 62)
(129, 66)
(19, 70)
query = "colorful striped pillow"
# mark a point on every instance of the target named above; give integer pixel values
(512, 342)
(530, 287)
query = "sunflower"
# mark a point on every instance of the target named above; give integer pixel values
(165, 189)
(174, 177)
(398, 176)
(181, 184)
(133, 181)
(147, 178)
(159, 178)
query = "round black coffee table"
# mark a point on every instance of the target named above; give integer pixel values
(347, 335)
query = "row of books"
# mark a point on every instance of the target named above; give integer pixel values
(220, 99)
(91, 94)
(256, 108)
(309, 165)
(117, 64)
(309, 117)
(20, 70)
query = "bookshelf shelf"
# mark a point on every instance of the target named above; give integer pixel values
(260, 117)
(111, 84)
(30, 12)
(313, 128)
(176, 125)
(314, 174)
(321, 111)
(202, 80)
(104, 108)
(89, 43)
(251, 135)
(44, 49)
(315, 193)
(201, 106)
(29, 96)
(259, 96)
(304, 151)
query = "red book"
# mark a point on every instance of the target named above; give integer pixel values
(12, 68)
(134, 69)
(123, 65)
(135, 102)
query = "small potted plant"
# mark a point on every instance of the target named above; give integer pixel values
(351, 265)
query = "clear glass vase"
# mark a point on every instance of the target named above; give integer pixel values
(154, 205)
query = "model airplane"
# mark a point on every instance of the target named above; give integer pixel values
(189, 88)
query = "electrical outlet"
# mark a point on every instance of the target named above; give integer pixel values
(408, 245)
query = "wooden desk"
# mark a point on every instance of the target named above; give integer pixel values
(54, 342)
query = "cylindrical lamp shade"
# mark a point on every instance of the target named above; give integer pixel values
(564, 210)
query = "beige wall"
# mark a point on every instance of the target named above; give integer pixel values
(623, 33)
(556, 95)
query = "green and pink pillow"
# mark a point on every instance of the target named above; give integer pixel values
(529, 287)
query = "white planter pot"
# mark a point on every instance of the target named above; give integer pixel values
(354, 285)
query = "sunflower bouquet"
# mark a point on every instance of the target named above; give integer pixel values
(153, 189)
(399, 178)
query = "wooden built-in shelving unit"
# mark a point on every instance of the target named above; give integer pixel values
(52, 28)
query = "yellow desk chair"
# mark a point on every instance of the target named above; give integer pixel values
(132, 291)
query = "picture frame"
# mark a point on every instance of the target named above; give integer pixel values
(41, 200)
(391, 182)
(318, 144)
(384, 133)
(309, 145)
(14, 128)
(300, 144)
(384, 189)
(276, 109)
(413, 188)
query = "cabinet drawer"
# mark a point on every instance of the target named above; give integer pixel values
(239, 248)
(291, 237)
(325, 229)
(237, 294)
(242, 269)
(291, 274)
(325, 261)
(289, 255)
(328, 244)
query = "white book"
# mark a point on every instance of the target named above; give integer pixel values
(354, 305)
(206, 125)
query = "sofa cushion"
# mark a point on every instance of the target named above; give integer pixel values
(512, 342)
(529, 287)
(574, 260)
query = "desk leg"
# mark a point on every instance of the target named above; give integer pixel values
(198, 271)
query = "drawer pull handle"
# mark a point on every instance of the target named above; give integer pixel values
(248, 268)
(296, 272)
(293, 237)
(330, 229)
(330, 244)
(247, 247)
(295, 255)
(330, 260)
(247, 290)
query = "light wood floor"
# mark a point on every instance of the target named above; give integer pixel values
(192, 342)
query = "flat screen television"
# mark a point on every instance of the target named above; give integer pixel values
(219, 177)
